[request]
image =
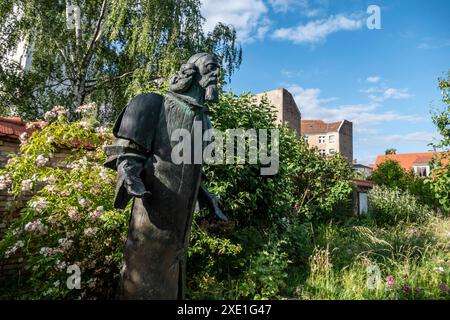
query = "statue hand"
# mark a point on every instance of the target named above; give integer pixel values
(136, 188)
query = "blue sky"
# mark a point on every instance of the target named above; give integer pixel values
(384, 81)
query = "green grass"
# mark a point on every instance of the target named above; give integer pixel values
(416, 256)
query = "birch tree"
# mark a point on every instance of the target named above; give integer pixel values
(119, 48)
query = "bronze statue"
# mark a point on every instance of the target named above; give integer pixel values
(164, 193)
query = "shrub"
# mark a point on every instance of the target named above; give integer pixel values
(391, 206)
(70, 220)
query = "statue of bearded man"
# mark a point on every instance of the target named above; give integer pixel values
(164, 194)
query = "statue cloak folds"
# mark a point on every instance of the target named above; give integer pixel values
(155, 250)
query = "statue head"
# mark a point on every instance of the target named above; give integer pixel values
(202, 71)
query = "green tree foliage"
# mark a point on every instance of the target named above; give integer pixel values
(123, 47)
(265, 212)
(389, 173)
(247, 256)
(390, 151)
(440, 170)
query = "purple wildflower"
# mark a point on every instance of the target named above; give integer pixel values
(444, 288)
(390, 281)
(406, 289)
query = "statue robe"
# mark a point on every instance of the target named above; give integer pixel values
(155, 250)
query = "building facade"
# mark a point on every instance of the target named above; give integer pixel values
(286, 108)
(329, 138)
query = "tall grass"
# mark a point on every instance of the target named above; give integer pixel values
(413, 261)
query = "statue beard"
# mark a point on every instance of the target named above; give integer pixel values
(211, 93)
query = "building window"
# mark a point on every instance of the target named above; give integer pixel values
(332, 151)
(321, 139)
(331, 138)
(422, 171)
(305, 138)
(322, 152)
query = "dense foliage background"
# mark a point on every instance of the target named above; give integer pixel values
(290, 235)
(122, 48)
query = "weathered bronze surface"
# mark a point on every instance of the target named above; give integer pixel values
(164, 194)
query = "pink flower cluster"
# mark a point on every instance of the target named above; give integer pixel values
(5, 181)
(37, 227)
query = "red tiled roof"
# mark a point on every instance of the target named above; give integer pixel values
(364, 183)
(318, 126)
(13, 127)
(407, 160)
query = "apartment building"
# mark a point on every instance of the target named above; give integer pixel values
(329, 138)
(287, 110)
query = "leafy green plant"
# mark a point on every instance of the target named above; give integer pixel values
(70, 220)
(440, 167)
(391, 206)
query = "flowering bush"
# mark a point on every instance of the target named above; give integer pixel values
(70, 220)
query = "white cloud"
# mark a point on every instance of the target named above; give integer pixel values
(373, 79)
(429, 44)
(390, 93)
(318, 30)
(362, 115)
(286, 5)
(413, 137)
(291, 74)
(307, 8)
(248, 17)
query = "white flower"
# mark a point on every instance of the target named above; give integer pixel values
(26, 185)
(14, 248)
(87, 108)
(65, 244)
(50, 188)
(45, 251)
(41, 160)
(23, 136)
(56, 283)
(83, 202)
(59, 110)
(52, 219)
(439, 269)
(39, 205)
(85, 124)
(104, 174)
(30, 125)
(61, 265)
(49, 179)
(102, 131)
(49, 115)
(74, 214)
(89, 232)
(46, 293)
(5, 181)
(97, 213)
(36, 226)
